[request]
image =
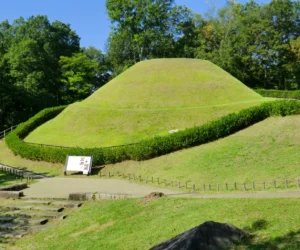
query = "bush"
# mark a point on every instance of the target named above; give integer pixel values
(287, 94)
(148, 148)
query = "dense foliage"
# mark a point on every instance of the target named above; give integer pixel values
(149, 148)
(42, 65)
(258, 44)
(287, 94)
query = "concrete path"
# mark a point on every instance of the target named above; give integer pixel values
(62, 187)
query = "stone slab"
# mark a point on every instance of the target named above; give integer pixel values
(11, 194)
(5, 219)
(48, 208)
(9, 226)
(39, 202)
(34, 228)
(30, 221)
(14, 187)
(20, 207)
(67, 204)
(6, 235)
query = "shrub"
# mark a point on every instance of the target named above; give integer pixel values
(287, 94)
(148, 148)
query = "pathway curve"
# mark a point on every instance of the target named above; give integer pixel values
(62, 187)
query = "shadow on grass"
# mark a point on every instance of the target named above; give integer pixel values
(6, 178)
(253, 241)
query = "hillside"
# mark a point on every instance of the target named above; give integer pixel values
(139, 224)
(148, 99)
(266, 151)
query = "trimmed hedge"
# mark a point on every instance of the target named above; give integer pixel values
(148, 148)
(288, 94)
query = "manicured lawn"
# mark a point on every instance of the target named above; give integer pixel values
(267, 151)
(138, 224)
(8, 158)
(149, 99)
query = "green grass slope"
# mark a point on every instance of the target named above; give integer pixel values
(265, 151)
(137, 224)
(148, 99)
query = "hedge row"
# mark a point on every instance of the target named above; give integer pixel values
(288, 94)
(149, 148)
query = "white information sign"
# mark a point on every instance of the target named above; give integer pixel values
(79, 164)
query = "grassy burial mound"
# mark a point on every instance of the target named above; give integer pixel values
(148, 99)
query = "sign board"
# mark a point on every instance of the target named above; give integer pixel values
(79, 164)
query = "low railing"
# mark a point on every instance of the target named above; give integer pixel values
(7, 131)
(275, 184)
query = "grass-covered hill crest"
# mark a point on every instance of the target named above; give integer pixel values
(149, 99)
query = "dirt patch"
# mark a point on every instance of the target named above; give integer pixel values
(95, 227)
(154, 195)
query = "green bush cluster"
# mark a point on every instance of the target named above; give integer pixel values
(148, 148)
(288, 94)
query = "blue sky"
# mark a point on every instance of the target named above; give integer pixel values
(87, 17)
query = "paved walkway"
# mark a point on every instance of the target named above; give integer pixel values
(62, 187)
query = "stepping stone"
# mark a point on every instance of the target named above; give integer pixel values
(12, 234)
(36, 228)
(42, 215)
(5, 219)
(24, 214)
(57, 216)
(45, 208)
(28, 221)
(20, 207)
(67, 204)
(40, 202)
(9, 226)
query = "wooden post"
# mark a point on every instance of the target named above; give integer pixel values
(186, 185)
(286, 183)
(108, 174)
(264, 184)
(204, 187)
(235, 185)
(194, 187)
(227, 186)
(158, 180)
(152, 178)
(178, 184)
(245, 186)
(209, 187)
(253, 185)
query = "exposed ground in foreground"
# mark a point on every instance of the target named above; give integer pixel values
(149, 99)
(138, 224)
